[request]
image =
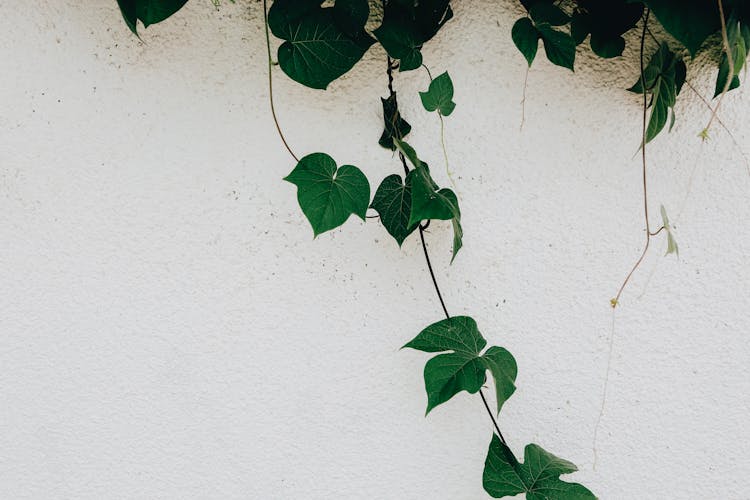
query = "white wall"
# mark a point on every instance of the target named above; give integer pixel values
(170, 329)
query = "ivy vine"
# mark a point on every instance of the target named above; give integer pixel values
(321, 42)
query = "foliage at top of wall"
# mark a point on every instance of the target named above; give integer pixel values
(321, 41)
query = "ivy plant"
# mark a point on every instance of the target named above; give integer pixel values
(321, 41)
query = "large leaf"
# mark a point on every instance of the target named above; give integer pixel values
(148, 11)
(327, 195)
(321, 44)
(689, 21)
(538, 477)
(392, 201)
(439, 95)
(465, 368)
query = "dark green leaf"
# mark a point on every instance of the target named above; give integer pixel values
(739, 49)
(689, 21)
(392, 201)
(427, 200)
(607, 47)
(548, 13)
(580, 27)
(439, 96)
(664, 76)
(316, 50)
(327, 195)
(559, 47)
(148, 11)
(351, 15)
(503, 368)
(395, 126)
(464, 369)
(538, 476)
(401, 43)
(526, 38)
(459, 333)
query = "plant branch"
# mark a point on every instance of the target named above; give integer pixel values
(616, 300)
(429, 262)
(270, 83)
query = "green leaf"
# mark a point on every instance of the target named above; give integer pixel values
(526, 38)
(316, 50)
(392, 201)
(502, 366)
(407, 25)
(559, 47)
(671, 242)
(606, 21)
(464, 369)
(548, 13)
(607, 47)
(351, 15)
(439, 96)
(395, 126)
(663, 76)
(739, 49)
(538, 477)
(400, 43)
(689, 21)
(148, 11)
(327, 195)
(428, 201)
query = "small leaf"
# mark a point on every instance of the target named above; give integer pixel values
(502, 365)
(439, 96)
(316, 49)
(663, 76)
(607, 47)
(446, 375)
(327, 195)
(671, 242)
(428, 201)
(526, 38)
(548, 13)
(559, 47)
(538, 476)
(392, 201)
(400, 43)
(395, 126)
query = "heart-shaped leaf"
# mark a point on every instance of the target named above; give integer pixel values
(148, 11)
(392, 201)
(327, 195)
(321, 44)
(439, 95)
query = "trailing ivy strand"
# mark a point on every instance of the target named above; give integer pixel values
(322, 41)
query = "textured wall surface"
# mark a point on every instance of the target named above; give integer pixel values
(170, 329)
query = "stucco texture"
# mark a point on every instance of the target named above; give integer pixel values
(169, 328)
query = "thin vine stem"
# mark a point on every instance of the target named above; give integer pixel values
(429, 261)
(270, 83)
(616, 300)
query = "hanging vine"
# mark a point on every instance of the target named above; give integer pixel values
(321, 43)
